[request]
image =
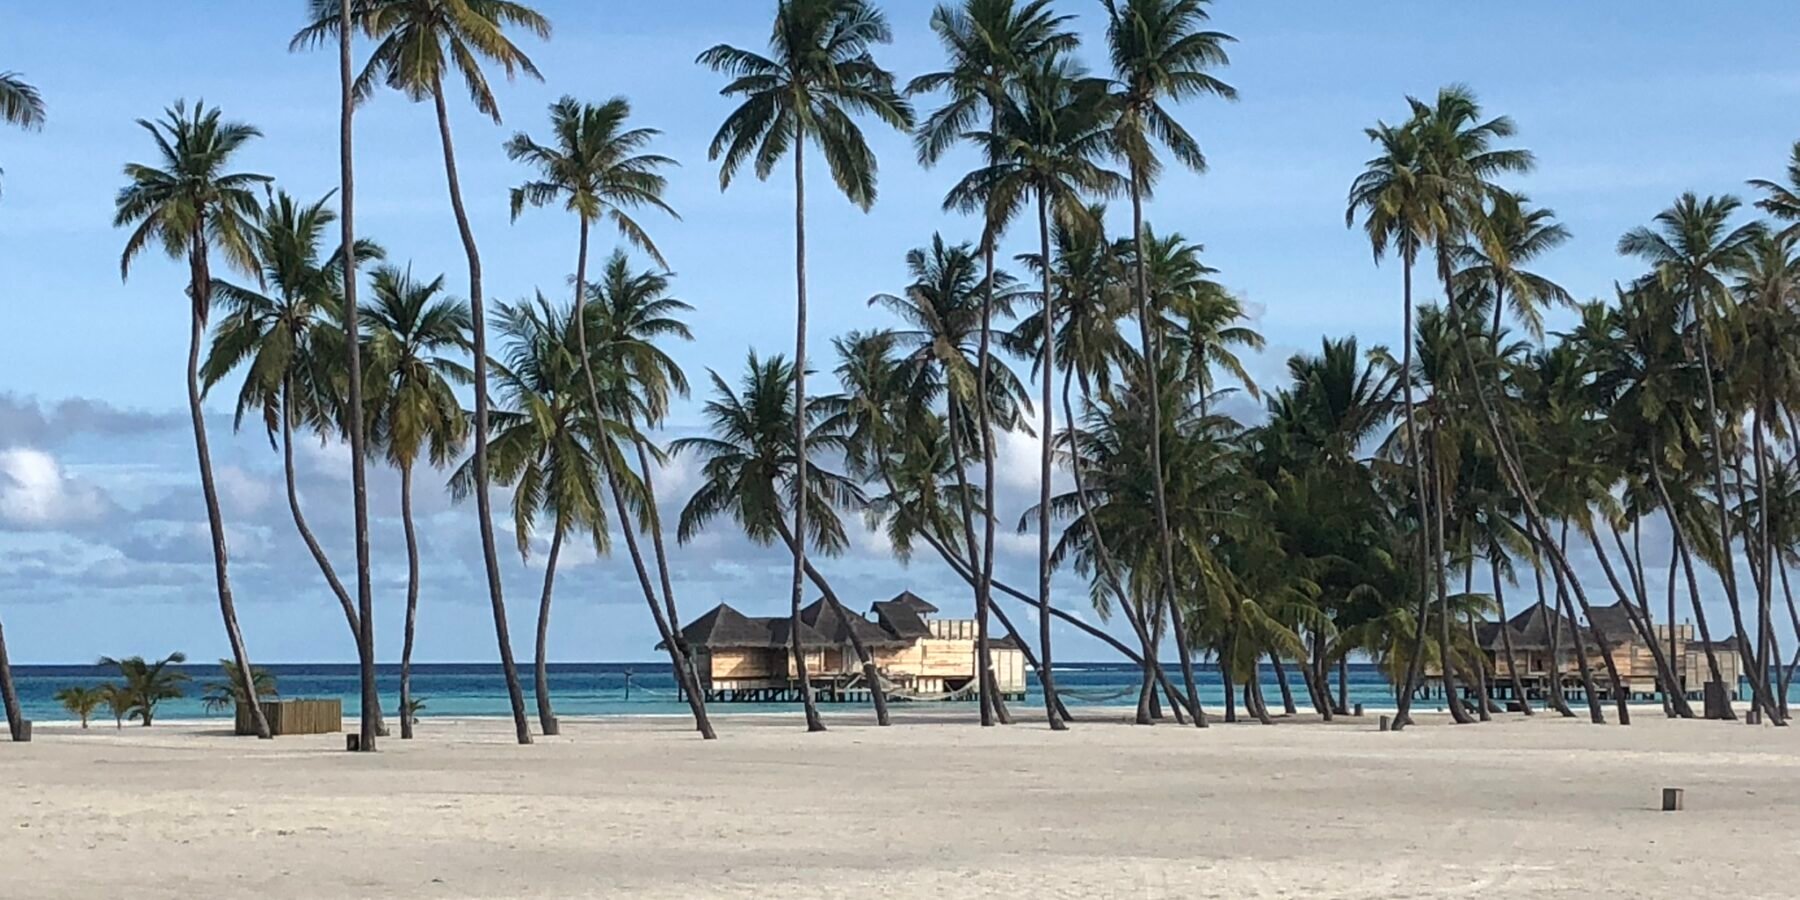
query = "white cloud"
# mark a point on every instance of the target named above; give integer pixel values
(35, 492)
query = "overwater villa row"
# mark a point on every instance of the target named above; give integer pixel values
(743, 658)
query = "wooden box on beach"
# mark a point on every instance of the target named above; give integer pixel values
(296, 717)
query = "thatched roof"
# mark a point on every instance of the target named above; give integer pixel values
(837, 627)
(903, 618)
(723, 626)
(1531, 629)
(1614, 621)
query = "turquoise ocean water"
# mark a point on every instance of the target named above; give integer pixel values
(600, 689)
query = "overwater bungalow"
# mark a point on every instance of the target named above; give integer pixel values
(919, 657)
(1544, 643)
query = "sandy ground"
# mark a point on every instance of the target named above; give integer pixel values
(928, 808)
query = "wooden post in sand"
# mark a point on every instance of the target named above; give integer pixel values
(1358, 711)
(24, 731)
(1673, 799)
(1387, 724)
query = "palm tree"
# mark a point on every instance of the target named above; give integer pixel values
(1692, 250)
(1051, 140)
(284, 332)
(1160, 54)
(146, 684)
(190, 207)
(989, 44)
(1783, 200)
(118, 702)
(21, 105)
(1508, 235)
(80, 701)
(548, 448)
(413, 406)
(749, 466)
(821, 73)
(228, 692)
(419, 43)
(630, 312)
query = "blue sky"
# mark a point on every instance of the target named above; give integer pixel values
(101, 532)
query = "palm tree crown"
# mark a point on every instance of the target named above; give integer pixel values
(595, 167)
(191, 198)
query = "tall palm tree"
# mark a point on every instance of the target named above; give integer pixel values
(1160, 53)
(1052, 140)
(547, 447)
(418, 43)
(988, 43)
(1508, 235)
(631, 312)
(21, 105)
(190, 207)
(284, 332)
(596, 168)
(1783, 200)
(819, 74)
(412, 331)
(1692, 250)
(1402, 209)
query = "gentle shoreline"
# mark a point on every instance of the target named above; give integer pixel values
(934, 806)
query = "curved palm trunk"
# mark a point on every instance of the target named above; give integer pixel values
(1555, 700)
(1506, 642)
(1759, 684)
(1768, 657)
(813, 722)
(1439, 564)
(412, 601)
(1634, 570)
(1153, 388)
(1679, 537)
(1108, 570)
(540, 659)
(370, 713)
(993, 705)
(1415, 666)
(871, 675)
(1483, 699)
(490, 558)
(200, 293)
(306, 532)
(1281, 680)
(9, 695)
(683, 652)
(1046, 674)
(1566, 607)
(1640, 621)
(1787, 590)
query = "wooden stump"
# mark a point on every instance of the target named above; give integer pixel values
(1357, 711)
(1673, 799)
(1753, 716)
(353, 742)
(1387, 724)
(24, 731)
(1717, 701)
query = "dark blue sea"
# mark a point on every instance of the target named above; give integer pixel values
(602, 689)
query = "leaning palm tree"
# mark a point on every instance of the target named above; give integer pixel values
(144, 685)
(283, 332)
(21, 105)
(190, 207)
(413, 407)
(1052, 139)
(1692, 250)
(819, 74)
(596, 167)
(418, 43)
(989, 43)
(1161, 53)
(548, 447)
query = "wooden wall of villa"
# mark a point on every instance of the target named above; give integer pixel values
(744, 658)
(1542, 657)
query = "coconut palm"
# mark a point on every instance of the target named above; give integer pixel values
(1782, 200)
(1160, 54)
(418, 44)
(228, 693)
(1051, 142)
(546, 446)
(283, 332)
(1692, 250)
(80, 701)
(1509, 234)
(820, 73)
(190, 207)
(412, 332)
(751, 463)
(21, 105)
(988, 44)
(143, 684)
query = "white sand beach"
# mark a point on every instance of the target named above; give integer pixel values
(928, 808)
